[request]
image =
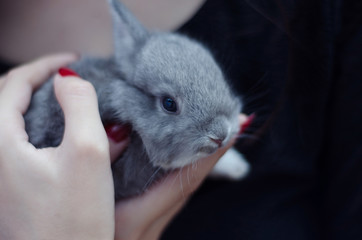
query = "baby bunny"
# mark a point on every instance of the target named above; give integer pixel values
(167, 86)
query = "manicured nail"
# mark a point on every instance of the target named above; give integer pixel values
(66, 72)
(247, 123)
(118, 132)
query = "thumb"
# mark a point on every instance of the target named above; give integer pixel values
(83, 125)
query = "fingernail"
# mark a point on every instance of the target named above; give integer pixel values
(247, 123)
(118, 132)
(66, 72)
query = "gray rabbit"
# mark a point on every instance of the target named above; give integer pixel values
(167, 86)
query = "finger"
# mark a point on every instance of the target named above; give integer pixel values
(118, 137)
(21, 81)
(16, 89)
(242, 119)
(83, 126)
(116, 148)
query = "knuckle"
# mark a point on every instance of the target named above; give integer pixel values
(90, 149)
(19, 72)
(18, 75)
(12, 74)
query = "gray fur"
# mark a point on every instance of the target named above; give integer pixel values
(130, 85)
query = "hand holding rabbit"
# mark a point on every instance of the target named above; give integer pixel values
(50, 193)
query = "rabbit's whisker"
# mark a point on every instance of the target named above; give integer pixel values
(150, 180)
(181, 184)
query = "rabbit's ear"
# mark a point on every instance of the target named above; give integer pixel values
(128, 33)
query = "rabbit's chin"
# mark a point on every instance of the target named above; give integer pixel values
(183, 161)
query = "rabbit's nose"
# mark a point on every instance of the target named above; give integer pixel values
(218, 141)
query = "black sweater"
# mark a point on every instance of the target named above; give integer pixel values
(299, 66)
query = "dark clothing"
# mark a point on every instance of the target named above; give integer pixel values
(5, 66)
(299, 65)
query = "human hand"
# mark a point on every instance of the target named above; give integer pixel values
(145, 217)
(67, 192)
(54, 193)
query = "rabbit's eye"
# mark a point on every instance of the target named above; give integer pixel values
(169, 104)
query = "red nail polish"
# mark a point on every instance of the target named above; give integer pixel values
(247, 123)
(118, 132)
(65, 72)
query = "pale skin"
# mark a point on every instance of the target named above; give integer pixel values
(30, 29)
(67, 192)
